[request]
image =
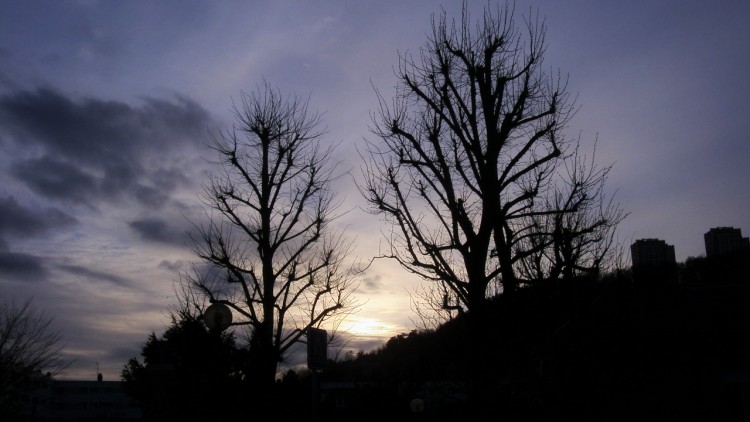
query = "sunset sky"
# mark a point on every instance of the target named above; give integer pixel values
(106, 109)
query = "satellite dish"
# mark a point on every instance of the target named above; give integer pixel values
(218, 317)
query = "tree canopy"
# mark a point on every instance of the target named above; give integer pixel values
(187, 373)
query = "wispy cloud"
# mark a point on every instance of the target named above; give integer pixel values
(95, 276)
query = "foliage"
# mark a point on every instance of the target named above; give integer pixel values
(188, 373)
(581, 350)
(733, 268)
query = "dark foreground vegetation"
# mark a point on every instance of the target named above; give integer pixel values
(608, 349)
(578, 351)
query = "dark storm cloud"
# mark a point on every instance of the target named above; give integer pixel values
(92, 275)
(25, 222)
(91, 150)
(157, 230)
(21, 267)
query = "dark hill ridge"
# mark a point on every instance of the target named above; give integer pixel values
(590, 350)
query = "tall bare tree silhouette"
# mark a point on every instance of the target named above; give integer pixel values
(281, 266)
(469, 163)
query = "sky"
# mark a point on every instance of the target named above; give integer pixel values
(107, 108)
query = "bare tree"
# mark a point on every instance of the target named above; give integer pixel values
(471, 146)
(29, 348)
(580, 240)
(281, 269)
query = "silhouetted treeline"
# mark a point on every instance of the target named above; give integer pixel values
(731, 268)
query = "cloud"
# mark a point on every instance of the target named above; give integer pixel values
(21, 267)
(93, 275)
(54, 179)
(173, 266)
(124, 354)
(90, 151)
(157, 230)
(24, 222)
(363, 343)
(372, 283)
(21, 222)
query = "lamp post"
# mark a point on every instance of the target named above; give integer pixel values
(218, 317)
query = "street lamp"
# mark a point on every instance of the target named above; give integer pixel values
(217, 317)
(417, 406)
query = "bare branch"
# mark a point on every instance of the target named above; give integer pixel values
(466, 171)
(29, 348)
(275, 262)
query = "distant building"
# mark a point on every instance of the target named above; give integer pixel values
(653, 262)
(82, 401)
(725, 241)
(652, 253)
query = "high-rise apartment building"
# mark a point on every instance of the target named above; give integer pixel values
(652, 253)
(725, 241)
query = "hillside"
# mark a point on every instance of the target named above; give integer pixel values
(586, 350)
